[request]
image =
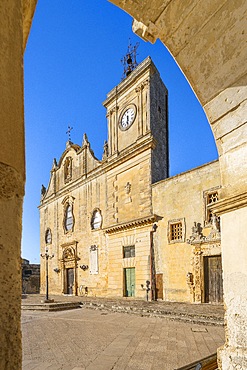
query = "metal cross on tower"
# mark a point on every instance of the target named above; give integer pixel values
(129, 60)
(68, 132)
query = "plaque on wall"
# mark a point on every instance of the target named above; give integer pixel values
(94, 260)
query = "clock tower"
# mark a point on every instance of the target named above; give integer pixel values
(137, 115)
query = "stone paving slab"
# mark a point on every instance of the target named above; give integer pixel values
(103, 340)
(196, 313)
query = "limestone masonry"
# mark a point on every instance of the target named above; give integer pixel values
(119, 226)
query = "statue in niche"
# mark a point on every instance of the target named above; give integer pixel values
(128, 188)
(215, 222)
(68, 254)
(68, 169)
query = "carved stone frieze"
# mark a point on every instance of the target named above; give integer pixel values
(203, 246)
(93, 247)
(197, 266)
(197, 236)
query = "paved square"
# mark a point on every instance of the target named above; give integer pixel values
(102, 340)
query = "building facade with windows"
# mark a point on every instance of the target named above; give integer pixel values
(120, 224)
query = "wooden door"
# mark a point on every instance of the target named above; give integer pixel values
(159, 286)
(213, 282)
(70, 280)
(130, 282)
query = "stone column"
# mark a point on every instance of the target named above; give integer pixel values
(233, 213)
(12, 179)
(227, 114)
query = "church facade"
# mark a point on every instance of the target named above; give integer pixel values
(120, 227)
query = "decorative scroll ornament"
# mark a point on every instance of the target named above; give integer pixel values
(93, 247)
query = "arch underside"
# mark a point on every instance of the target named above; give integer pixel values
(208, 41)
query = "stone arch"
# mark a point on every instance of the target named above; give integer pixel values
(206, 40)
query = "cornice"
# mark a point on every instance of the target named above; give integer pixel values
(229, 204)
(69, 244)
(131, 224)
(125, 84)
(148, 143)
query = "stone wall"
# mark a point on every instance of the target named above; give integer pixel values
(180, 198)
(12, 175)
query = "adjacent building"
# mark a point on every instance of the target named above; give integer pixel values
(30, 277)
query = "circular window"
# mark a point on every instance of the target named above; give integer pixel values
(96, 220)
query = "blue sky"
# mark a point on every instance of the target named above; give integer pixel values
(72, 61)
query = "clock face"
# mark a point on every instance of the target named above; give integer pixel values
(127, 118)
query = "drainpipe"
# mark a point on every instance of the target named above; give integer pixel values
(152, 264)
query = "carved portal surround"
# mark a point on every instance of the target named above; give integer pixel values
(203, 246)
(69, 260)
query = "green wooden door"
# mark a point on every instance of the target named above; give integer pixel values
(130, 282)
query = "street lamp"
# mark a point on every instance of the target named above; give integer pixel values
(147, 288)
(46, 256)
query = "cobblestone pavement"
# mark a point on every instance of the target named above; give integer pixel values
(103, 340)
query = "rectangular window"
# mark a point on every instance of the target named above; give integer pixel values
(129, 251)
(210, 197)
(176, 230)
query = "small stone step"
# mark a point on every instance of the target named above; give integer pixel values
(54, 306)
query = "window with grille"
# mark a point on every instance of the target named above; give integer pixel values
(210, 198)
(129, 251)
(176, 230)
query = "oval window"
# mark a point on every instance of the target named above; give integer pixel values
(48, 236)
(96, 220)
(69, 221)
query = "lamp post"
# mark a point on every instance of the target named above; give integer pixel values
(46, 256)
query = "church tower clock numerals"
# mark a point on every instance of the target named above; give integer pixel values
(127, 117)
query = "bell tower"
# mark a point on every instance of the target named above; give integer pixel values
(137, 114)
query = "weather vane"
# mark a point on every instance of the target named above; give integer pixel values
(68, 132)
(129, 60)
